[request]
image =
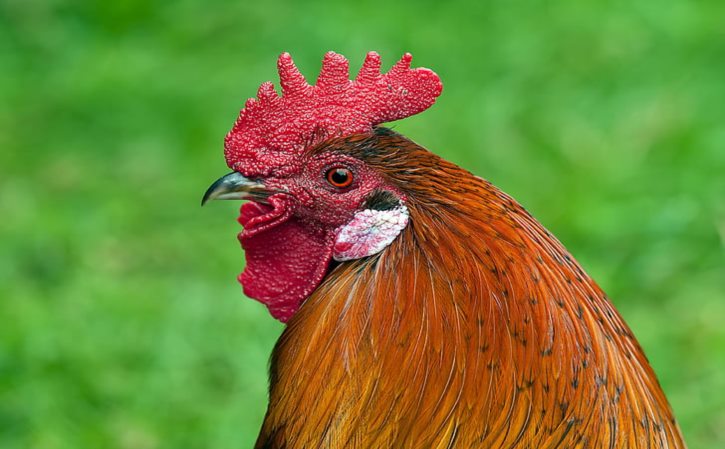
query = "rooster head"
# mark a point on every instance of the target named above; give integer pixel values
(311, 198)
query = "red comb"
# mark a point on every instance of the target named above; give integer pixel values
(272, 129)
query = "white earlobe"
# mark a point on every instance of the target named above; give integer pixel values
(369, 232)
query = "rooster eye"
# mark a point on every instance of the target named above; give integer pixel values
(339, 177)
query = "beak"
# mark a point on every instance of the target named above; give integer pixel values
(234, 186)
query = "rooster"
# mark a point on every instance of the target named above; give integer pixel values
(424, 307)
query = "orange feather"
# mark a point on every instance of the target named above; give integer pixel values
(475, 328)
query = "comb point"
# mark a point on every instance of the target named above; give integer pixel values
(290, 78)
(370, 69)
(335, 70)
(402, 66)
(266, 92)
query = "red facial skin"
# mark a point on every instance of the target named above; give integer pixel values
(289, 242)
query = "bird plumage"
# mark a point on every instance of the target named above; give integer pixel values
(474, 328)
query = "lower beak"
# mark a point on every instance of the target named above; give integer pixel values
(234, 186)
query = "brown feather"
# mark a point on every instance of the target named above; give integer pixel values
(475, 328)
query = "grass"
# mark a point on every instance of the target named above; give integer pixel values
(122, 323)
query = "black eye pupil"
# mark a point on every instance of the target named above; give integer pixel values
(339, 176)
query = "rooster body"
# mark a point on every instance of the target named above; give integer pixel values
(450, 319)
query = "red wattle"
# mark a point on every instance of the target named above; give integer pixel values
(283, 266)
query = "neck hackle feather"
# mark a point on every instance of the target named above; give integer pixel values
(475, 328)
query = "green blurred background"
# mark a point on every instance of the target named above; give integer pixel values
(121, 322)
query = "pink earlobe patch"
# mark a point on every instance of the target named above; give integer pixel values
(369, 232)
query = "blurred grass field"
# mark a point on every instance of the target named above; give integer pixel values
(121, 322)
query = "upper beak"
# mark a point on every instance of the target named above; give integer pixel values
(234, 186)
